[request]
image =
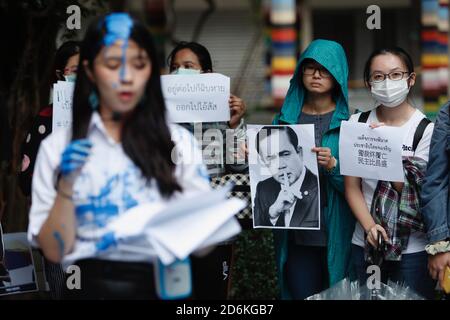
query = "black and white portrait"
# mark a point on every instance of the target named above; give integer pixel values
(284, 177)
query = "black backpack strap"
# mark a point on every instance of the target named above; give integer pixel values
(419, 132)
(364, 116)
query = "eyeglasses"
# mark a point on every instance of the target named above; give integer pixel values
(310, 70)
(394, 76)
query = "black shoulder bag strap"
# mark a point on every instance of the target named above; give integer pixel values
(419, 132)
(364, 116)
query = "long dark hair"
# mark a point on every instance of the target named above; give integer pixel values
(145, 136)
(63, 54)
(200, 51)
(396, 51)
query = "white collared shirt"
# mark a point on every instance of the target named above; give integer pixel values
(295, 189)
(109, 183)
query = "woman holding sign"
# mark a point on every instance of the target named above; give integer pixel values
(190, 58)
(390, 211)
(65, 69)
(117, 156)
(310, 261)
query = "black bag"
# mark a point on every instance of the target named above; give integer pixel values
(376, 255)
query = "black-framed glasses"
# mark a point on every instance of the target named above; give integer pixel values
(394, 76)
(309, 70)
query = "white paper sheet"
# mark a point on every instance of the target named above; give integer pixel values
(173, 230)
(260, 173)
(62, 105)
(371, 153)
(197, 98)
(186, 234)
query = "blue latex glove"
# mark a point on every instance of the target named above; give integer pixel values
(75, 156)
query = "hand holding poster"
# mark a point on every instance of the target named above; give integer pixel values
(62, 105)
(371, 153)
(197, 98)
(284, 177)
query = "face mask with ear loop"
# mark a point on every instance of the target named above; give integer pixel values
(184, 71)
(71, 77)
(390, 93)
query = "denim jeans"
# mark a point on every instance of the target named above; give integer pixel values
(412, 271)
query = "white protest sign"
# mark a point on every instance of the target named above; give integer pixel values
(197, 98)
(371, 153)
(62, 105)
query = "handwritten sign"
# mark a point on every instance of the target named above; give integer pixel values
(371, 153)
(62, 105)
(197, 98)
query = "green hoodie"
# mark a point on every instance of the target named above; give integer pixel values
(339, 220)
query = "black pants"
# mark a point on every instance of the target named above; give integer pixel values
(56, 279)
(210, 274)
(109, 280)
(306, 270)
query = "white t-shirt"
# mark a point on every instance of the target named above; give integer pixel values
(417, 240)
(109, 182)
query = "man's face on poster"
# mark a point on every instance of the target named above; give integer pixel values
(281, 157)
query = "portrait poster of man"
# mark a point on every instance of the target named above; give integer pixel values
(284, 177)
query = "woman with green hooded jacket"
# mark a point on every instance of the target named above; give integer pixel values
(310, 261)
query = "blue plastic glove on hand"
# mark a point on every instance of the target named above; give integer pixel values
(75, 156)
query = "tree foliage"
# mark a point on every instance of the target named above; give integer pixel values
(28, 30)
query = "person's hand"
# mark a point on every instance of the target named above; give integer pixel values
(241, 153)
(284, 201)
(74, 157)
(398, 186)
(437, 265)
(374, 125)
(237, 110)
(245, 150)
(324, 157)
(372, 235)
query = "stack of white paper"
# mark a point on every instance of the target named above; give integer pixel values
(173, 230)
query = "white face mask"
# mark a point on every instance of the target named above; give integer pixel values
(184, 71)
(390, 93)
(71, 77)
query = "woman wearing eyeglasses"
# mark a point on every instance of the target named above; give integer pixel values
(392, 209)
(310, 261)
